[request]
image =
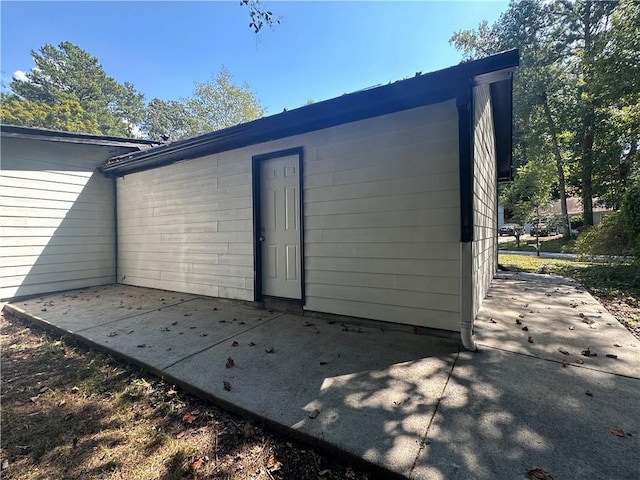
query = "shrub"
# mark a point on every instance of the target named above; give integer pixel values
(611, 237)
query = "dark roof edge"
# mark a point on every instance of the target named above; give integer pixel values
(414, 92)
(14, 131)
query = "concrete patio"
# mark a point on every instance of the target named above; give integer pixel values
(409, 404)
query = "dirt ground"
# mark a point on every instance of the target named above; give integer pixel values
(70, 412)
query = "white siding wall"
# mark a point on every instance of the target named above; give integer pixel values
(381, 206)
(485, 208)
(56, 217)
(188, 227)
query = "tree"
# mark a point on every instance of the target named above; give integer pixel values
(219, 103)
(66, 74)
(566, 49)
(214, 105)
(168, 120)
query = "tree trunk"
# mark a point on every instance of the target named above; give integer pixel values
(588, 123)
(558, 158)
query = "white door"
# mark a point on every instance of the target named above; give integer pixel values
(280, 227)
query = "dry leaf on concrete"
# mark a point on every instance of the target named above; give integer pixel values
(611, 355)
(227, 386)
(230, 363)
(314, 413)
(618, 432)
(537, 473)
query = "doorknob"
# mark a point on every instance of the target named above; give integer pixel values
(261, 238)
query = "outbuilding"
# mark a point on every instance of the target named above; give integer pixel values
(379, 204)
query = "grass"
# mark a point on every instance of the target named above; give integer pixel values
(555, 244)
(615, 284)
(70, 412)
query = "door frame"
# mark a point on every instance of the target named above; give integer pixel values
(257, 224)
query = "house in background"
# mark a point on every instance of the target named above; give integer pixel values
(57, 221)
(380, 204)
(575, 209)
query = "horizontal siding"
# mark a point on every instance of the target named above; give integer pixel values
(56, 217)
(188, 227)
(381, 202)
(485, 208)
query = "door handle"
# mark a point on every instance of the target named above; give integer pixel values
(261, 238)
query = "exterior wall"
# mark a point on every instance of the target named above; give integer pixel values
(381, 213)
(56, 217)
(485, 196)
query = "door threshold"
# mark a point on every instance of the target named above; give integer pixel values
(286, 305)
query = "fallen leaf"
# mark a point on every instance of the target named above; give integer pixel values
(564, 363)
(197, 465)
(530, 339)
(43, 389)
(611, 355)
(348, 473)
(572, 328)
(491, 320)
(618, 432)
(307, 324)
(581, 315)
(579, 360)
(235, 343)
(314, 413)
(181, 434)
(588, 393)
(563, 351)
(227, 386)
(241, 323)
(204, 334)
(174, 323)
(518, 321)
(521, 315)
(222, 321)
(112, 334)
(589, 353)
(230, 363)
(188, 418)
(323, 363)
(537, 473)
(251, 344)
(273, 464)
(75, 390)
(215, 308)
(142, 345)
(525, 329)
(62, 403)
(617, 345)
(74, 442)
(270, 350)
(588, 321)
(187, 314)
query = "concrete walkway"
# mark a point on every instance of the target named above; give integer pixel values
(412, 405)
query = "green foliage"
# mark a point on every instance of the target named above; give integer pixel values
(67, 115)
(219, 103)
(216, 104)
(576, 93)
(531, 190)
(69, 90)
(610, 237)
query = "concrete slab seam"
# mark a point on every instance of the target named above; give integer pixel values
(557, 361)
(138, 314)
(423, 441)
(222, 341)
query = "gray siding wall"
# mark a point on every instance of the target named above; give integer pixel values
(381, 201)
(56, 217)
(485, 197)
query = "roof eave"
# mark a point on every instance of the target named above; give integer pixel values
(402, 95)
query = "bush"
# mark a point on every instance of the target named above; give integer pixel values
(611, 237)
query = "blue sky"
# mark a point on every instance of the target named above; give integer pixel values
(320, 50)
